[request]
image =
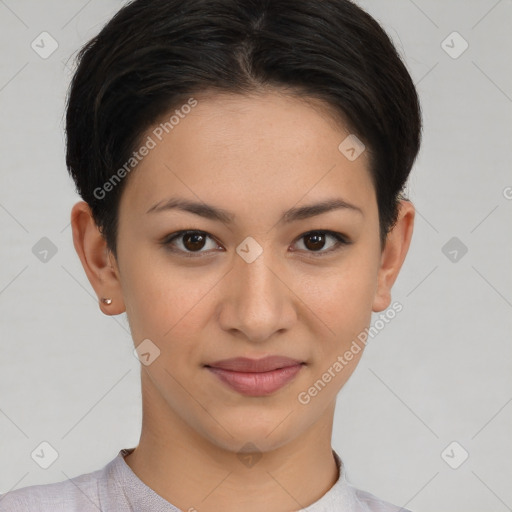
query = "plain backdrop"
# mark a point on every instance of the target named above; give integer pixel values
(438, 374)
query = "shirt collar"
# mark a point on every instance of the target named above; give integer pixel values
(141, 497)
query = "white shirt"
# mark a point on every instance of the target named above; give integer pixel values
(116, 488)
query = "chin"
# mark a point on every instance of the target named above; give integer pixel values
(266, 430)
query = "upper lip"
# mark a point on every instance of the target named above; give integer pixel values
(265, 364)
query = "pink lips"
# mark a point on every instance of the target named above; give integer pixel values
(256, 377)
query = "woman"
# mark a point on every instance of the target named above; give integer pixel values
(241, 165)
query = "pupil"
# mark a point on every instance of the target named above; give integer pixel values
(195, 241)
(319, 241)
(194, 245)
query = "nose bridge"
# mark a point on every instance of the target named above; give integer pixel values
(258, 304)
(258, 280)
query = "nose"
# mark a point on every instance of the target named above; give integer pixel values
(257, 302)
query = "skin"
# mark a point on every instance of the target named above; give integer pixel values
(255, 156)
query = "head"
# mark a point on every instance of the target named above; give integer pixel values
(254, 111)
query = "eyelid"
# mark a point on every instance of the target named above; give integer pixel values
(334, 234)
(341, 240)
(168, 239)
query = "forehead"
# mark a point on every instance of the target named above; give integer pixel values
(258, 152)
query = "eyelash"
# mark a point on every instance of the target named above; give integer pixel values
(340, 239)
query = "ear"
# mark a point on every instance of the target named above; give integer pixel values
(393, 255)
(99, 263)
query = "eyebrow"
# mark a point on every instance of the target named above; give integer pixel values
(219, 214)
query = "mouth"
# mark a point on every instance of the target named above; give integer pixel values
(256, 377)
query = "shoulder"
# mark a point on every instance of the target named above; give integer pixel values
(357, 500)
(370, 503)
(80, 493)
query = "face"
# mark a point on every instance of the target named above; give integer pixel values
(258, 274)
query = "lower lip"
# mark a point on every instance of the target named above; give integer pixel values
(257, 384)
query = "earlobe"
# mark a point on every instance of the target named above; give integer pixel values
(393, 255)
(96, 259)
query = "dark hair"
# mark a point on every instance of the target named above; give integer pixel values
(155, 54)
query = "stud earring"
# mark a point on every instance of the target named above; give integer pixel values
(106, 301)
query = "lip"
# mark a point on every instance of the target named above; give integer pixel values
(256, 377)
(245, 364)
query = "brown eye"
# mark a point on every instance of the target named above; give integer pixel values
(317, 241)
(189, 243)
(194, 241)
(314, 241)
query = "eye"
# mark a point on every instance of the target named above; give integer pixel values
(315, 241)
(189, 242)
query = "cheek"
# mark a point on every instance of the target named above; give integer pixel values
(172, 307)
(342, 299)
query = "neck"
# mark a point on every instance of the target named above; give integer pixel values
(193, 473)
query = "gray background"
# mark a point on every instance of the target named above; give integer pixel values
(438, 373)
